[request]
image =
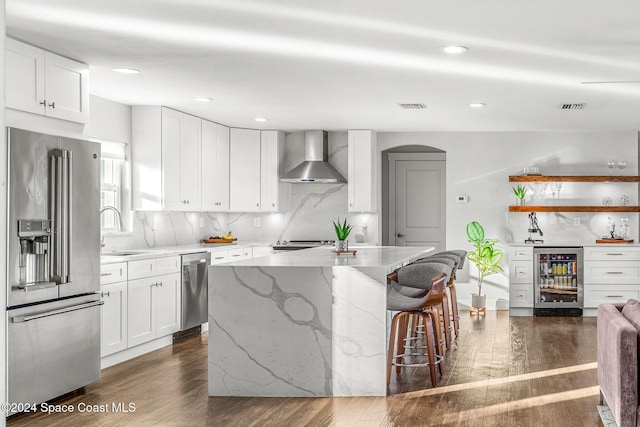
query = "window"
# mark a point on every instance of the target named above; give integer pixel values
(112, 173)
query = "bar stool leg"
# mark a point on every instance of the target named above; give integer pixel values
(402, 335)
(428, 325)
(454, 309)
(392, 343)
(446, 319)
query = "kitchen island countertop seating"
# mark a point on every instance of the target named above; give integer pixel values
(302, 323)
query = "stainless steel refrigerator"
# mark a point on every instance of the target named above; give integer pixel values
(53, 308)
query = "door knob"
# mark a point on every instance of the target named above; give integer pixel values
(399, 235)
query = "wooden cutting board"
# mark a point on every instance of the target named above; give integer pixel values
(208, 241)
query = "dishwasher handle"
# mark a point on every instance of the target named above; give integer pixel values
(196, 258)
(22, 319)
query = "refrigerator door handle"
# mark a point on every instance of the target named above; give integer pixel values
(68, 212)
(61, 204)
(22, 319)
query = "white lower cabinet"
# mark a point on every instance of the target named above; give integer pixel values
(521, 280)
(611, 275)
(153, 308)
(114, 318)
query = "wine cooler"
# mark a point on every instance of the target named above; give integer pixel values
(558, 281)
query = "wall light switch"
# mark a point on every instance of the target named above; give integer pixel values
(256, 221)
(576, 222)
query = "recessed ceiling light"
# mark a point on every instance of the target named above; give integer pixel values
(260, 119)
(477, 105)
(125, 70)
(454, 50)
(203, 99)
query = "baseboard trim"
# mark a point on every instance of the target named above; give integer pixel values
(139, 350)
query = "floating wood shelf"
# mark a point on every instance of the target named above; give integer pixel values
(574, 208)
(573, 178)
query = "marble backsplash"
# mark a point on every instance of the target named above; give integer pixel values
(308, 213)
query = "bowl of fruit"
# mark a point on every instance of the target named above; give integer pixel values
(227, 238)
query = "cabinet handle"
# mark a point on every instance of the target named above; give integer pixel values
(273, 205)
(614, 296)
(105, 274)
(44, 102)
(614, 253)
(105, 294)
(236, 255)
(615, 272)
(53, 105)
(257, 204)
(160, 284)
(219, 257)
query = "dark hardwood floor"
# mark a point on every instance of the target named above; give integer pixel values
(501, 371)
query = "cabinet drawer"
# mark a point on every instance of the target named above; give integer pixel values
(218, 257)
(618, 272)
(112, 273)
(520, 271)
(593, 296)
(168, 265)
(522, 253)
(521, 296)
(615, 253)
(235, 254)
(141, 268)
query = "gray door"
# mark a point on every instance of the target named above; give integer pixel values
(417, 200)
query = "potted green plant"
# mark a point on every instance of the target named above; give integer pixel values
(520, 191)
(485, 256)
(342, 232)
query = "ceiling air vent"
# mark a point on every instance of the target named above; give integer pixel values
(412, 106)
(572, 106)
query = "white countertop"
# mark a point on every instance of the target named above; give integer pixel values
(574, 244)
(146, 253)
(366, 256)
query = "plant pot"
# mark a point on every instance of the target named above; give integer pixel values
(342, 245)
(519, 202)
(478, 301)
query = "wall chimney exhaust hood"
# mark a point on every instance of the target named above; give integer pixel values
(316, 167)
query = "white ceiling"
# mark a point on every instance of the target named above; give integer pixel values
(346, 64)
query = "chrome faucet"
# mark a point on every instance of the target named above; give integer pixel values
(118, 216)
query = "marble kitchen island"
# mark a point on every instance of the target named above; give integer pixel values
(302, 323)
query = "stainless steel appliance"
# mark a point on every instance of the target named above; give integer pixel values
(195, 283)
(558, 281)
(293, 245)
(316, 167)
(53, 263)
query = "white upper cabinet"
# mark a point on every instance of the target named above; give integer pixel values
(362, 151)
(272, 191)
(181, 139)
(165, 154)
(44, 83)
(244, 168)
(215, 167)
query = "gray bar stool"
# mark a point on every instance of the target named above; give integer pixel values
(446, 317)
(426, 277)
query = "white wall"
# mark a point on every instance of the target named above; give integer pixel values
(479, 164)
(109, 120)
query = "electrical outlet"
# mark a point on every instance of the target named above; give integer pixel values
(576, 222)
(256, 221)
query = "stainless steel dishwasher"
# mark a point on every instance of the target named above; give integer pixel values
(194, 293)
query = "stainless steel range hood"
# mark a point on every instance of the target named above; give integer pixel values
(316, 167)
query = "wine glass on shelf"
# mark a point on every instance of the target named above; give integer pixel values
(611, 164)
(621, 165)
(555, 189)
